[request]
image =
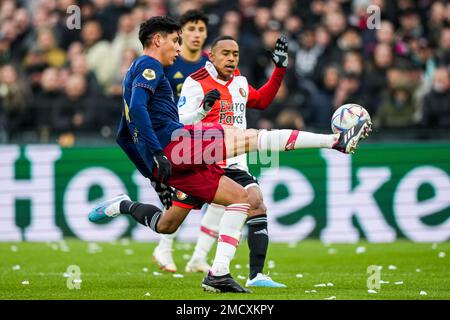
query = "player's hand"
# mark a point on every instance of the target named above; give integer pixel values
(210, 98)
(165, 193)
(164, 168)
(280, 53)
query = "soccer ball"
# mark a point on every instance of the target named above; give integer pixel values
(348, 115)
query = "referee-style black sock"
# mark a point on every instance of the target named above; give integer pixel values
(146, 214)
(258, 242)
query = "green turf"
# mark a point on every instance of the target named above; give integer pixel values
(116, 272)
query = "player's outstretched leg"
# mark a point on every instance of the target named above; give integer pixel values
(240, 141)
(163, 252)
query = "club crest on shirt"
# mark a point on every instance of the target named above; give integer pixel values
(242, 92)
(181, 195)
(149, 74)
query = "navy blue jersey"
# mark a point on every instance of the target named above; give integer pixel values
(180, 70)
(149, 115)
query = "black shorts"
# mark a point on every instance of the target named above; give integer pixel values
(242, 177)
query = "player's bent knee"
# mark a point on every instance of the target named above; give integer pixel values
(241, 197)
(167, 226)
(258, 208)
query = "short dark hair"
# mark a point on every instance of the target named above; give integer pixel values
(194, 16)
(159, 24)
(220, 38)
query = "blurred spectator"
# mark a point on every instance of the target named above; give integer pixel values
(282, 113)
(410, 26)
(321, 104)
(263, 16)
(376, 83)
(352, 63)
(7, 10)
(293, 26)
(24, 31)
(115, 89)
(74, 112)
(436, 105)
(336, 23)
(5, 52)
(436, 20)
(397, 109)
(79, 66)
(307, 54)
(97, 51)
(107, 13)
(15, 97)
(260, 61)
(350, 39)
(45, 102)
(349, 90)
(126, 38)
(46, 43)
(281, 10)
(443, 51)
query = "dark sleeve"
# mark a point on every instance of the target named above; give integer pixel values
(125, 141)
(263, 97)
(140, 98)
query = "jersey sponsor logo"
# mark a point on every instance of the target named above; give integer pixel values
(182, 101)
(231, 113)
(242, 92)
(178, 75)
(149, 74)
(181, 195)
(230, 119)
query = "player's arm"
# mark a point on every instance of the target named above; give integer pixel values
(193, 104)
(125, 141)
(144, 86)
(140, 97)
(263, 97)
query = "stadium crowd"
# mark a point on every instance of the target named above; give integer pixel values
(58, 83)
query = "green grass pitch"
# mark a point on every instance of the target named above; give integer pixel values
(124, 270)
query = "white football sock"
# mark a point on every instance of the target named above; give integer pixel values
(166, 240)
(209, 232)
(283, 140)
(229, 234)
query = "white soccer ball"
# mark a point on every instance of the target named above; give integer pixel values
(348, 115)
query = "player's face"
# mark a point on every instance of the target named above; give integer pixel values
(170, 48)
(194, 35)
(225, 57)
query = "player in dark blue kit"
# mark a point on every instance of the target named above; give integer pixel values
(194, 27)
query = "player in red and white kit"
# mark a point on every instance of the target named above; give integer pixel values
(236, 94)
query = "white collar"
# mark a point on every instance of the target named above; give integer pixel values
(213, 72)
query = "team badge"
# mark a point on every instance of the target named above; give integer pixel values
(181, 195)
(242, 92)
(149, 74)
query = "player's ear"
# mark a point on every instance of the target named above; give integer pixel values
(210, 55)
(157, 40)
